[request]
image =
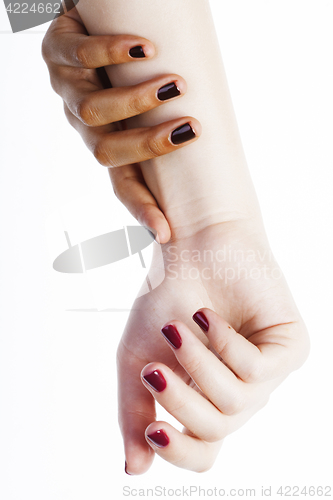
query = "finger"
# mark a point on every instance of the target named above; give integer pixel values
(95, 106)
(264, 355)
(180, 449)
(67, 43)
(136, 409)
(103, 50)
(185, 404)
(141, 144)
(74, 14)
(284, 348)
(130, 188)
(128, 184)
(135, 145)
(214, 379)
(240, 355)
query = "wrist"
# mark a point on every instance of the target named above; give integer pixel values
(234, 241)
(195, 195)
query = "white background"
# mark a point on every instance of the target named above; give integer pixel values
(59, 436)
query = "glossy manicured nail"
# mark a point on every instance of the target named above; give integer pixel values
(172, 336)
(137, 52)
(156, 380)
(126, 469)
(201, 320)
(182, 134)
(159, 438)
(168, 92)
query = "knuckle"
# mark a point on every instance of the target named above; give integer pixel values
(222, 346)
(81, 55)
(103, 154)
(254, 373)
(235, 406)
(178, 405)
(180, 459)
(87, 113)
(135, 106)
(54, 81)
(153, 147)
(68, 114)
(138, 104)
(58, 75)
(116, 190)
(49, 41)
(45, 49)
(216, 434)
(193, 366)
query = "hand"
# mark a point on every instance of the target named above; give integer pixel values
(75, 62)
(255, 333)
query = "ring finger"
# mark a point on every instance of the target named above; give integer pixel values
(120, 148)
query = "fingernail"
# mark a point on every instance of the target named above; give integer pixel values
(168, 92)
(137, 52)
(182, 134)
(126, 469)
(172, 336)
(156, 380)
(159, 438)
(201, 320)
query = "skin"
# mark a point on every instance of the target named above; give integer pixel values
(216, 380)
(95, 110)
(255, 331)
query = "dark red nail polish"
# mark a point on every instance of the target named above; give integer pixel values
(172, 336)
(168, 92)
(126, 469)
(156, 380)
(182, 134)
(137, 52)
(201, 320)
(159, 438)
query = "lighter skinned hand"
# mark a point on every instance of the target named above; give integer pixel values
(216, 376)
(76, 65)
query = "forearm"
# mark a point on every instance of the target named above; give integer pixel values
(208, 181)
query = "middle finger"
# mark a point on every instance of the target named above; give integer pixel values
(189, 407)
(96, 107)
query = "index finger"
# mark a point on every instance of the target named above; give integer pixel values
(67, 43)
